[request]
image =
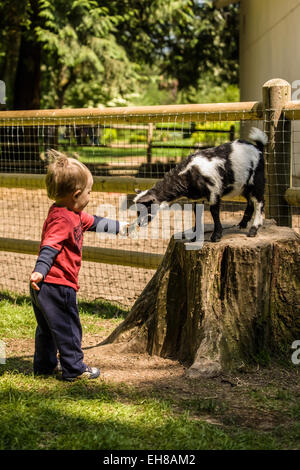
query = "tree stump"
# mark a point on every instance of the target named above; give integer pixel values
(220, 307)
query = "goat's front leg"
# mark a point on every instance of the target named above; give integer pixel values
(196, 232)
(258, 218)
(215, 212)
(247, 214)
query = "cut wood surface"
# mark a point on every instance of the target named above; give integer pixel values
(222, 306)
(249, 110)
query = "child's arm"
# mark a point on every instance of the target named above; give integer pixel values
(57, 231)
(102, 224)
(43, 265)
(35, 279)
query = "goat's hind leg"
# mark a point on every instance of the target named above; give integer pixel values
(215, 212)
(258, 217)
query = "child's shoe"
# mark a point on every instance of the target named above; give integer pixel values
(56, 371)
(89, 373)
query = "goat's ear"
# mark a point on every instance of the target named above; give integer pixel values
(138, 191)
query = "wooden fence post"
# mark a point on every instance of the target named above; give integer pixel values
(276, 93)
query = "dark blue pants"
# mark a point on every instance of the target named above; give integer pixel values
(58, 329)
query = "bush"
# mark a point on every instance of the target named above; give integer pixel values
(214, 138)
(136, 138)
(108, 136)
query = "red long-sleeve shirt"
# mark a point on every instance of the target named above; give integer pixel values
(61, 245)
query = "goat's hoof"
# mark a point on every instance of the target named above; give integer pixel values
(243, 225)
(190, 237)
(216, 237)
(252, 232)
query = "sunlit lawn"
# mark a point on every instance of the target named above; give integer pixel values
(47, 413)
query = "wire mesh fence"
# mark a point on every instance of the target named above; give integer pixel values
(120, 153)
(295, 169)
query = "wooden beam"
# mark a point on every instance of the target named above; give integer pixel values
(121, 184)
(22, 180)
(292, 110)
(135, 259)
(90, 253)
(111, 184)
(251, 110)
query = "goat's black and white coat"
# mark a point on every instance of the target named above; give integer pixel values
(234, 168)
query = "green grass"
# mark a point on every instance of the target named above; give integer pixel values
(46, 413)
(17, 319)
(109, 155)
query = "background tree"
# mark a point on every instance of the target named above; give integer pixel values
(184, 43)
(84, 64)
(90, 52)
(12, 13)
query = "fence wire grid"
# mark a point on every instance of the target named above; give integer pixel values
(110, 148)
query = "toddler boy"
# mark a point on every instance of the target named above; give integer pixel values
(54, 282)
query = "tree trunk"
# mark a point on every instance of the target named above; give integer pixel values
(220, 307)
(28, 74)
(20, 150)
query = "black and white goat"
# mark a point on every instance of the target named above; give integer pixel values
(234, 168)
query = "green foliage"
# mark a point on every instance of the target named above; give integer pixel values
(111, 53)
(213, 138)
(186, 38)
(137, 138)
(208, 91)
(84, 61)
(108, 136)
(150, 93)
(155, 90)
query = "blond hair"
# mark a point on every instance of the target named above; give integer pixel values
(65, 175)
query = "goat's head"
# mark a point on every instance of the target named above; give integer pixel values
(147, 206)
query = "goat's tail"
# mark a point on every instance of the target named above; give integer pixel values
(259, 137)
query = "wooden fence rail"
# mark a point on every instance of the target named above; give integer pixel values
(251, 110)
(89, 253)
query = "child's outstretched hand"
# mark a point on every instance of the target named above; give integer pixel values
(35, 279)
(123, 228)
